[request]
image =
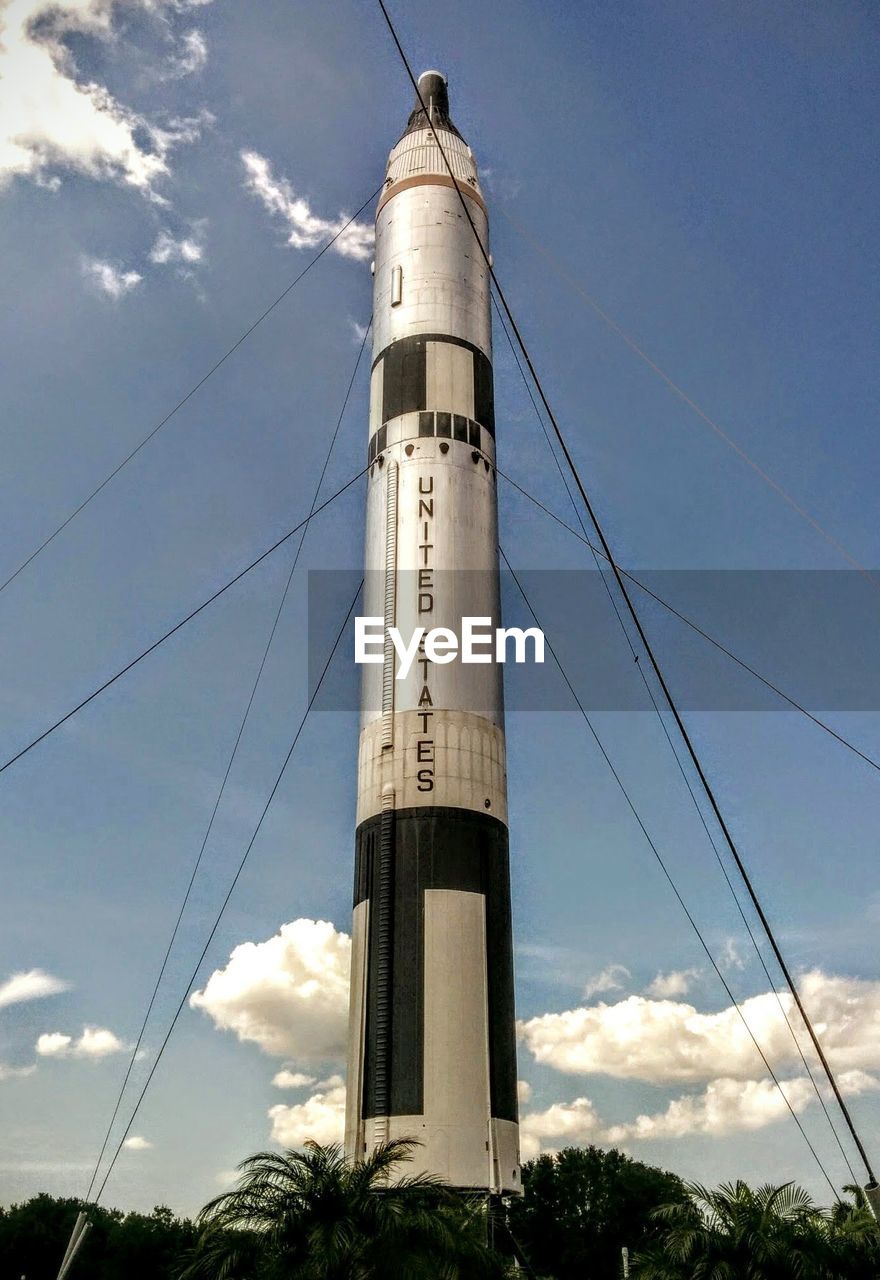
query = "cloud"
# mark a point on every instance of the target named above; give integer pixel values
(358, 331)
(675, 983)
(32, 984)
(190, 56)
(664, 1040)
(321, 1118)
(289, 994)
(187, 250)
(137, 1143)
(54, 1044)
(731, 957)
(612, 978)
(724, 1107)
(523, 1091)
(731, 1106)
(292, 1080)
(94, 1043)
(110, 279)
(53, 119)
(503, 185)
(306, 230)
(564, 1124)
(14, 1073)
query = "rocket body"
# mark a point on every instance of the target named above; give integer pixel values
(432, 1052)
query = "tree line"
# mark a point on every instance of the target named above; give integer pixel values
(312, 1215)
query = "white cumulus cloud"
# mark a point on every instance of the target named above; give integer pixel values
(666, 1040)
(52, 119)
(305, 228)
(723, 1107)
(288, 994)
(564, 1124)
(30, 984)
(321, 1118)
(94, 1043)
(729, 1106)
(110, 278)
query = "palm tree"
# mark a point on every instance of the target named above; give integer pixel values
(774, 1233)
(313, 1215)
(854, 1235)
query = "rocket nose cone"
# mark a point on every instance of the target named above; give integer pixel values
(434, 91)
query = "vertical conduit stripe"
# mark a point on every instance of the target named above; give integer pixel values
(390, 603)
(384, 905)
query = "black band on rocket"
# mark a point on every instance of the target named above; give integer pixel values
(405, 379)
(400, 854)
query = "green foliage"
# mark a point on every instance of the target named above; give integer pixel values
(132, 1246)
(313, 1215)
(772, 1233)
(581, 1206)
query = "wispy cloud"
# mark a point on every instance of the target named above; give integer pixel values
(292, 1080)
(32, 984)
(675, 983)
(187, 250)
(137, 1143)
(503, 185)
(53, 120)
(189, 57)
(305, 228)
(183, 253)
(613, 977)
(110, 278)
(13, 1073)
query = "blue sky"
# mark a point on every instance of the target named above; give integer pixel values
(707, 173)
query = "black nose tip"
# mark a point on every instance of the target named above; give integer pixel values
(434, 91)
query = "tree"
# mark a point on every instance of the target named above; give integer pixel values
(772, 1233)
(133, 1246)
(313, 1215)
(580, 1206)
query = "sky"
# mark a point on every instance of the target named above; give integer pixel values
(707, 174)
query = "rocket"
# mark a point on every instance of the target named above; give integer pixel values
(432, 1049)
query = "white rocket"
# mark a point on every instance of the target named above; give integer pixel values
(432, 1052)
